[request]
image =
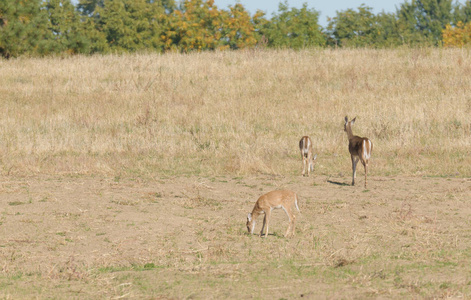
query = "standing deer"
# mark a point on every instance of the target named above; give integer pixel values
(266, 203)
(305, 146)
(360, 149)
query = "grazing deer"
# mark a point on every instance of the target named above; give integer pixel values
(305, 146)
(360, 149)
(266, 203)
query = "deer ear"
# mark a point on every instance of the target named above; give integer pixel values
(249, 217)
(346, 119)
(353, 121)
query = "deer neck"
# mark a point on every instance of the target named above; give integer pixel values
(349, 131)
(255, 213)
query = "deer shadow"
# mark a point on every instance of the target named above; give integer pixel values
(338, 183)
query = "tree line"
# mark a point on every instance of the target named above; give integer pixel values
(43, 27)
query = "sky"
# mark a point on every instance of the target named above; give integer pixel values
(327, 8)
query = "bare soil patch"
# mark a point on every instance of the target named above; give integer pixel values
(185, 237)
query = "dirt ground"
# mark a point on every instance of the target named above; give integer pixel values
(185, 237)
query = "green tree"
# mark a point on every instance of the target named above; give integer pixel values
(88, 7)
(388, 30)
(131, 25)
(23, 28)
(462, 12)
(293, 28)
(355, 28)
(70, 32)
(422, 21)
(97, 38)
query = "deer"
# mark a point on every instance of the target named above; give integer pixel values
(360, 149)
(305, 146)
(266, 203)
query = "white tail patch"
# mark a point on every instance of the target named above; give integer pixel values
(366, 150)
(296, 203)
(305, 146)
(369, 149)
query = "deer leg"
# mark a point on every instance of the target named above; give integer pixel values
(304, 164)
(354, 167)
(309, 162)
(292, 222)
(291, 218)
(364, 162)
(293, 225)
(267, 217)
(357, 159)
(263, 225)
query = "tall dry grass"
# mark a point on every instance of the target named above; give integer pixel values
(236, 112)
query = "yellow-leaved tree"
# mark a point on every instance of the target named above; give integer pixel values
(458, 36)
(194, 26)
(239, 28)
(200, 25)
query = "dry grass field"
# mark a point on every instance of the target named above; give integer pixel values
(131, 176)
(235, 112)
